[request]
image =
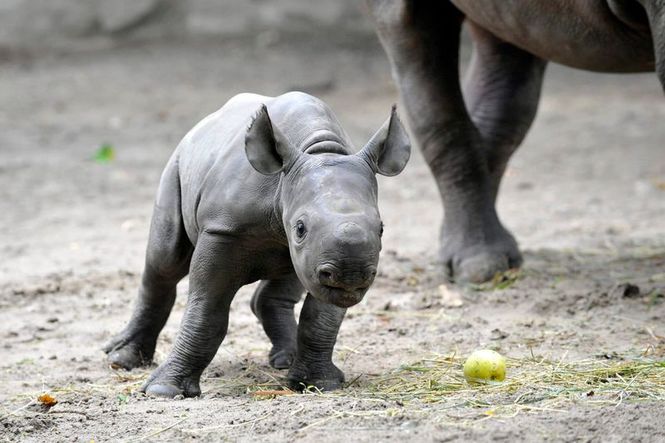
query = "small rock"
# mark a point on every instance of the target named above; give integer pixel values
(498, 334)
(625, 290)
(450, 298)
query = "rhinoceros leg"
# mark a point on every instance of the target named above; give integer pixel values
(215, 276)
(167, 261)
(501, 91)
(422, 39)
(317, 334)
(656, 12)
(273, 304)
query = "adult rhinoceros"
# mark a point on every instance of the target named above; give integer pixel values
(467, 134)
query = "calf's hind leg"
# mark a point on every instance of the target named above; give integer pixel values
(167, 261)
(273, 304)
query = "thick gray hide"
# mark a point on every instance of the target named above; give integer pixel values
(263, 189)
(468, 130)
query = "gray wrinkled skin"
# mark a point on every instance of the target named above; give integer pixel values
(263, 189)
(468, 131)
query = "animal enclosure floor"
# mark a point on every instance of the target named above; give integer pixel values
(585, 196)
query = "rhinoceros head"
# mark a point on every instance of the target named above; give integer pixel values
(328, 204)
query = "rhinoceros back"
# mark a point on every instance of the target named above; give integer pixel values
(213, 169)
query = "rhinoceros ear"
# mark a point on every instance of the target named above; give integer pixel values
(267, 149)
(389, 149)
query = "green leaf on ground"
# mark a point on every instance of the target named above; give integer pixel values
(105, 153)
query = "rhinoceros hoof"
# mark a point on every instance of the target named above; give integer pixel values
(483, 267)
(124, 351)
(481, 262)
(327, 378)
(165, 382)
(281, 358)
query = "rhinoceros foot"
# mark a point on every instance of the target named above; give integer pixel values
(128, 351)
(169, 381)
(321, 377)
(472, 259)
(281, 358)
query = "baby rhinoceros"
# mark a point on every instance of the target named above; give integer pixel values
(263, 189)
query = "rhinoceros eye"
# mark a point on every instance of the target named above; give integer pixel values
(300, 229)
(381, 230)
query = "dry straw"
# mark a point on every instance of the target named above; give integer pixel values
(531, 383)
(435, 388)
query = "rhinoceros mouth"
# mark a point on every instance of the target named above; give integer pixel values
(338, 296)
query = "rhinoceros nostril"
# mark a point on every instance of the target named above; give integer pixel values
(369, 275)
(326, 275)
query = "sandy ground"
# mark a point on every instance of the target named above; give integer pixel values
(585, 196)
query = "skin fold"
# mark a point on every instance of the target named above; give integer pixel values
(264, 189)
(467, 130)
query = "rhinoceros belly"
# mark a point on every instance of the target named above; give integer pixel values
(585, 34)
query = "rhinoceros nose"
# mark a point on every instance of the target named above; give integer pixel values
(350, 233)
(350, 280)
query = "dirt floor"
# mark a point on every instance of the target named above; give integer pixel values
(585, 196)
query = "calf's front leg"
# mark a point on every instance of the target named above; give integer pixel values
(317, 334)
(214, 279)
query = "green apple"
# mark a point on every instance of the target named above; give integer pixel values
(485, 365)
